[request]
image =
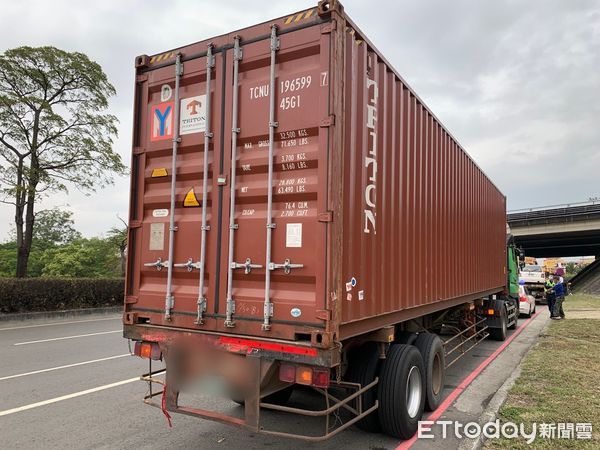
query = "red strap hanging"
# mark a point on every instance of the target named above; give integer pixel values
(164, 406)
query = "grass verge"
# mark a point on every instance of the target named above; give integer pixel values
(560, 379)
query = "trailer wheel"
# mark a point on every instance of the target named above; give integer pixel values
(499, 334)
(363, 369)
(401, 391)
(431, 349)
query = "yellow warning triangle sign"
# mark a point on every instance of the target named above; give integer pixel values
(190, 199)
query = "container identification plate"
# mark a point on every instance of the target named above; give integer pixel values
(157, 236)
(293, 235)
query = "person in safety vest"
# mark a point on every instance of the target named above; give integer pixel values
(550, 296)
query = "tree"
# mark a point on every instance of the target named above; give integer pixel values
(8, 253)
(8, 259)
(91, 258)
(52, 227)
(53, 131)
(118, 238)
(572, 269)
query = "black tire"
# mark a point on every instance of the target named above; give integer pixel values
(432, 351)
(405, 337)
(499, 334)
(363, 369)
(401, 371)
(277, 398)
(514, 325)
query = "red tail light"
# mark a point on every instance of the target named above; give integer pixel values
(307, 375)
(287, 373)
(320, 377)
(149, 350)
(523, 299)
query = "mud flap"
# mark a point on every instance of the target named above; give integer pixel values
(497, 305)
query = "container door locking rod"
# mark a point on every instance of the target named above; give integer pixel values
(159, 264)
(268, 307)
(210, 63)
(237, 56)
(169, 299)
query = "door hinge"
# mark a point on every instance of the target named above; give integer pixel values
(323, 314)
(326, 216)
(328, 121)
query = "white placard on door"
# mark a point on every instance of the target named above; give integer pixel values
(293, 235)
(193, 115)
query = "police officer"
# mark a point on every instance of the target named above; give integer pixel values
(550, 296)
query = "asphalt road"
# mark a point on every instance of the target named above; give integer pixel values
(71, 384)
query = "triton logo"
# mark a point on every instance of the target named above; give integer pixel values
(371, 159)
(193, 115)
(193, 107)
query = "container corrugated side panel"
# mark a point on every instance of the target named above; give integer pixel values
(437, 230)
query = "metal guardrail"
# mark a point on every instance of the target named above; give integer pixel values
(549, 207)
(573, 211)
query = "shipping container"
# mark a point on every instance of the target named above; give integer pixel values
(292, 196)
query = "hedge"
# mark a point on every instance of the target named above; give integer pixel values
(18, 295)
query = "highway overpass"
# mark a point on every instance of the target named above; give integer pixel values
(557, 231)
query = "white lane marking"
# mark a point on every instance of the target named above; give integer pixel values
(59, 323)
(67, 397)
(68, 337)
(63, 367)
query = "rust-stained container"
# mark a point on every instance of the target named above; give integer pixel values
(376, 214)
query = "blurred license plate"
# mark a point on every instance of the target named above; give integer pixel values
(212, 384)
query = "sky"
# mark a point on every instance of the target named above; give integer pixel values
(516, 82)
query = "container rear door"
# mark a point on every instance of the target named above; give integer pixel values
(238, 298)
